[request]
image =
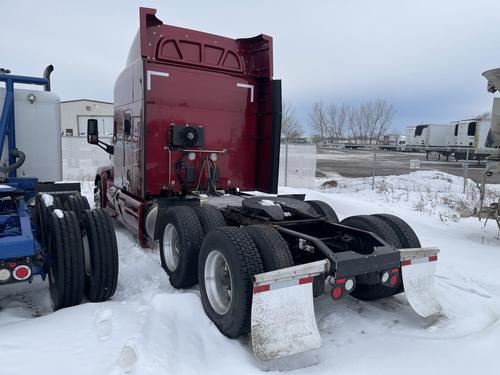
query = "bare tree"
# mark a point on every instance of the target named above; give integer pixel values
(376, 118)
(354, 124)
(318, 119)
(290, 127)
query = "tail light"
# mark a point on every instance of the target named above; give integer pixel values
(390, 277)
(4, 274)
(343, 286)
(22, 272)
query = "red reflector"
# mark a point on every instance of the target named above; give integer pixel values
(406, 262)
(306, 280)
(394, 270)
(337, 292)
(433, 258)
(340, 281)
(393, 280)
(12, 264)
(261, 288)
(22, 272)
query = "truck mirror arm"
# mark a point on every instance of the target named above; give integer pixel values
(106, 147)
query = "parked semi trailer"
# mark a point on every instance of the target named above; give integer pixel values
(197, 124)
(47, 228)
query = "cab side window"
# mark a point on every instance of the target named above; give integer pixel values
(127, 124)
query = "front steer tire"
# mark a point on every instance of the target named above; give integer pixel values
(243, 262)
(66, 260)
(101, 252)
(187, 239)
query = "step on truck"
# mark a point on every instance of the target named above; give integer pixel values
(47, 228)
(197, 127)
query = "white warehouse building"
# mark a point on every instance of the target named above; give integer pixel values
(75, 113)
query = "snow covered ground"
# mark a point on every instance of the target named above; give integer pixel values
(151, 328)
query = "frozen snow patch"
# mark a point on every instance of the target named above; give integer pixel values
(59, 213)
(267, 202)
(48, 200)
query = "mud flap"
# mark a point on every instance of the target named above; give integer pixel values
(283, 321)
(418, 267)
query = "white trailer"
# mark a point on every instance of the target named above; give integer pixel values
(410, 138)
(451, 138)
(472, 135)
(431, 135)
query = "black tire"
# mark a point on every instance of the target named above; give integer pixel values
(67, 263)
(44, 218)
(378, 226)
(190, 236)
(77, 204)
(210, 217)
(243, 261)
(273, 249)
(101, 273)
(375, 225)
(324, 210)
(406, 235)
(58, 203)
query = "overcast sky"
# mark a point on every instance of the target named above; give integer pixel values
(424, 57)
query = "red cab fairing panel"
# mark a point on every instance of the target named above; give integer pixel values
(200, 79)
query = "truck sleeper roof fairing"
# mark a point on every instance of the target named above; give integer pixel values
(181, 77)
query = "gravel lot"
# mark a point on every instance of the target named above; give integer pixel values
(360, 163)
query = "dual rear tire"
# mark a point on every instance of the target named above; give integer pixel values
(196, 246)
(82, 256)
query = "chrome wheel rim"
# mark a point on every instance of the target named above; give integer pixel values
(218, 282)
(171, 247)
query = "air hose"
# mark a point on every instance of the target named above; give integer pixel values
(20, 156)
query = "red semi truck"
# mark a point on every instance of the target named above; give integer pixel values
(197, 124)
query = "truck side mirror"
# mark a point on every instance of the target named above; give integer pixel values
(93, 137)
(92, 132)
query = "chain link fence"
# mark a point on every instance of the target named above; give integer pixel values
(419, 177)
(297, 165)
(81, 159)
(425, 179)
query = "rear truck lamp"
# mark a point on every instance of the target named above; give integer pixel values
(191, 156)
(12, 265)
(22, 272)
(4, 274)
(337, 292)
(349, 285)
(213, 156)
(385, 277)
(394, 280)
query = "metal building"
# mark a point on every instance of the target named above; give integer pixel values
(75, 113)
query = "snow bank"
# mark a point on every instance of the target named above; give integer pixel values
(151, 328)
